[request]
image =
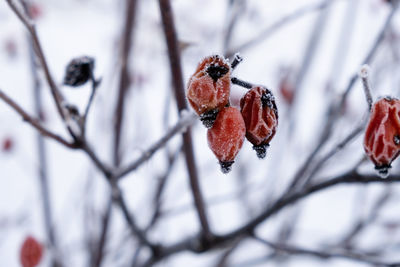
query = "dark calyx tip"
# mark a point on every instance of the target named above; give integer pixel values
(226, 166)
(383, 170)
(261, 150)
(208, 118)
(216, 71)
(267, 100)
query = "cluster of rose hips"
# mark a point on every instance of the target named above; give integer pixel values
(208, 93)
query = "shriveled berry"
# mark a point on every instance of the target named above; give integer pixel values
(209, 86)
(382, 136)
(31, 252)
(260, 115)
(226, 136)
(79, 71)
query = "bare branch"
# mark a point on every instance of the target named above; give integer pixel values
(34, 122)
(183, 123)
(353, 256)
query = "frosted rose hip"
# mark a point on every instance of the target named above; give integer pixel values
(226, 136)
(31, 252)
(382, 136)
(260, 115)
(209, 87)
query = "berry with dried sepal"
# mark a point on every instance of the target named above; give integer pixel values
(382, 136)
(226, 136)
(260, 115)
(209, 88)
(79, 71)
(31, 252)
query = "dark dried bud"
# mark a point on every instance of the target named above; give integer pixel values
(79, 71)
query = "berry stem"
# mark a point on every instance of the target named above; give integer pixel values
(236, 60)
(241, 83)
(364, 75)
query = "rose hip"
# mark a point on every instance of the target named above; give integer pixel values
(31, 252)
(260, 115)
(209, 88)
(226, 136)
(382, 136)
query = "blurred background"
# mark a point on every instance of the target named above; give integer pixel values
(304, 51)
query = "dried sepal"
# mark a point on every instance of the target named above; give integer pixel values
(382, 135)
(260, 115)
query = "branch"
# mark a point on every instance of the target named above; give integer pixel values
(267, 32)
(197, 244)
(124, 76)
(364, 75)
(58, 98)
(182, 124)
(354, 256)
(177, 79)
(34, 122)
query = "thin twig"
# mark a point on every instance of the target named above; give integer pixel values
(183, 123)
(294, 250)
(196, 244)
(267, 32)
(124, 79)
(364, 75)
(35, 122)
(43, 170)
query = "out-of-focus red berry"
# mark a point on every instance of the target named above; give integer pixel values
(10, 47)
(209, 86)
(287, 91)
(260, 115)
(31, 252)
(35, 11)
(382, 136)
(226, 136)
(8, 144)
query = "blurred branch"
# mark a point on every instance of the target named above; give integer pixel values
(177, 80)
(35, 122)
(267, 32)
(42, 160)
(185, 121)
(124, 80)
(197, 244)
(58, 98)
(336, 108)
(354, 256)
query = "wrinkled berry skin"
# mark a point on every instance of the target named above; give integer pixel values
(382, 136)
(209, 86)
(226, 136)
(31, 252)
(260, 115)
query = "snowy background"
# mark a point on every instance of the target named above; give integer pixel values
(79, 193)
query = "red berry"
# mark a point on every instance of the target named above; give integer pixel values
(382, 136)
(31, 252)
(209, 87)
(35, 11)
(260, 115)
(226, 136)
(7, 144)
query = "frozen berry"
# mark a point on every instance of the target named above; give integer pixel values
(209, 88)
(260, 115)
(226, 136)
(31, 252)
(382, 136)
(79, 71)
(8, 144)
